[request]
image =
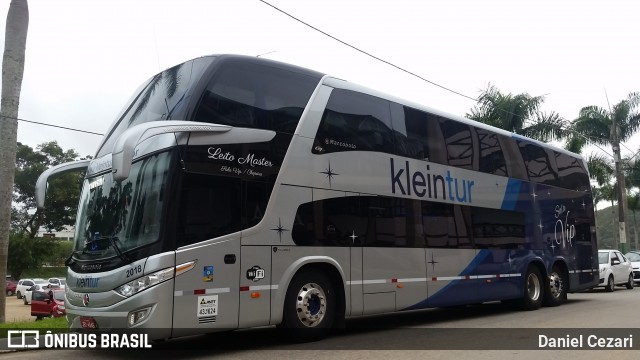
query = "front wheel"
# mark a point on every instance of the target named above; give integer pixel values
(630, 283)
(309, 307)
(9, 293)
(556, 292)
(24, 300)
(533, 290)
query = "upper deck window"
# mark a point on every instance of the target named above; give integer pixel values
(246, 94)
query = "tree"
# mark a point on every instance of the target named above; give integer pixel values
(12, 72)
(519, 114)
(62, 192)
(610, 127)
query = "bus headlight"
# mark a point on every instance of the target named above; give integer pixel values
(145, 282)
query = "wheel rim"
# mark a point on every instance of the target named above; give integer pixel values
(311, 304)
(555, 285)
(533, 287)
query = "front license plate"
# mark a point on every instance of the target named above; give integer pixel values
(88, 323)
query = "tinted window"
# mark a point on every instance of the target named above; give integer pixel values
(330, 222)
(163, 97)
(423, 138)
(495, 228)
(571, 173)
(256, 96)
(491, 156)
(354, 121)
(458, 138)
(539, 163)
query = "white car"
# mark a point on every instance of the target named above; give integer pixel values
(28, 294)
(58, 282)
(634, 257)
(615, 269)
(25, 284)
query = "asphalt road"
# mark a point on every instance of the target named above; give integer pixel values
(488, 331)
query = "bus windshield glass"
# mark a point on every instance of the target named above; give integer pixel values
(115, 217)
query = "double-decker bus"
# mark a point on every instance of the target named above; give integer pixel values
(235, 192)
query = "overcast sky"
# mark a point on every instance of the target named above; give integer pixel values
(85, 58)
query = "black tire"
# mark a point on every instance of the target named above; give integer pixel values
(24, 300)
(556, 292)
(610, 284)
(18, 295)
(309, 307)
(9, 293)
(533, 290)
(630, 284)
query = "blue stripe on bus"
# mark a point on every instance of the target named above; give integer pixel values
(511, 194)
(445, 291)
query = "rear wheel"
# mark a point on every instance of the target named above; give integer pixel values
(309, 307)
(24, 300)
(630, 283)
(533, 290)
(9, 292)
(610, 284)
(556, 292)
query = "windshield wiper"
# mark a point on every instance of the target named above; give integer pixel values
(112, 242)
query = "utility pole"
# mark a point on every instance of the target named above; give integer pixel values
(622, 231)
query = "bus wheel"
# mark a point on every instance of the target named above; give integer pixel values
(309, 307)
(556, 293)
(533, 290)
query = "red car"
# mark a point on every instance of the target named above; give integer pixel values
(47, 304)
(11, 288)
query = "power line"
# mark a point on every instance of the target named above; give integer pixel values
(407, 71)
(55, 126)
(366, 53)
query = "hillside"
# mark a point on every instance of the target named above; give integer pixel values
(607, 223)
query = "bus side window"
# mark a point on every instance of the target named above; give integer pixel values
(355, 121)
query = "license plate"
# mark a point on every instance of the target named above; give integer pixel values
(88, 323)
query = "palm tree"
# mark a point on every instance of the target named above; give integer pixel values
(519, 114)
(634, 205)
(12, 71)
(610, 127)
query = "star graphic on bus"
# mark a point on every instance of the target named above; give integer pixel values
(353, 237)
(280, 229)
(432, 262)
(329, 173)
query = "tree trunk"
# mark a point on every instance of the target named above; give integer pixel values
(12, 71)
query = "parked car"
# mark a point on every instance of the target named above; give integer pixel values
(634, 257)
(24, 284)
(26, 298)
(58, 282)
(11, 287)
(49, 303)
(615, 269)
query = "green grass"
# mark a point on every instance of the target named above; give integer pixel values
(56, 325)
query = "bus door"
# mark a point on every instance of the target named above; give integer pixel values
(207, 296)
(393, 265)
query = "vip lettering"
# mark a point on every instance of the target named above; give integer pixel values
(87, 282)
(433, 186)
(567, 231)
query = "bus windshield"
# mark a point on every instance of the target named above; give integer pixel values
(116, 217)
